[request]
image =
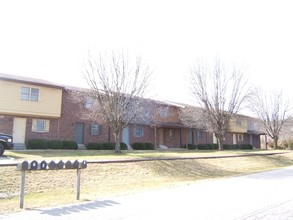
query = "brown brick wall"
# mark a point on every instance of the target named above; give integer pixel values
(70, 115)
(149, 134)
(51, 135)
(6, 124)
(205, 137)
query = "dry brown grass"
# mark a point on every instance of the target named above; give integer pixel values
(49, 188)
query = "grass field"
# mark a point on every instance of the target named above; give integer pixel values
(49, 188)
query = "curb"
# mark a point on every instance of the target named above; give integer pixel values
(5, 163)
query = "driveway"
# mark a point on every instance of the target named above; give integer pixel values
(266, 195)
(6, 160)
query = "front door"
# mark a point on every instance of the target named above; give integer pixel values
(125, 135)
(234, 139)
(161, 136)
(19, 127)
(190, 137)
(79, 133)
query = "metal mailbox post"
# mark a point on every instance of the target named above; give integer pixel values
(43, 165)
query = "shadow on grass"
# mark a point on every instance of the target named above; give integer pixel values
(67, 210)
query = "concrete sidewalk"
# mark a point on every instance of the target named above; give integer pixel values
(266, 195)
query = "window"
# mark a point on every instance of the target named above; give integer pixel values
(138, 132)
(29, 94)
(25, 93)
(171, 133)
(164, 112)
(250, 125)
(88, 103)
(34, 94)
(40, 125)
(238, 121)
(96, 129)
(199, 135)
(240, 137)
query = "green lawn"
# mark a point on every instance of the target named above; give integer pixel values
(49, 188)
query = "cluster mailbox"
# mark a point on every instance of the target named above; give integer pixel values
(52, 165)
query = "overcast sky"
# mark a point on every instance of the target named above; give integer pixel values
(50, 39)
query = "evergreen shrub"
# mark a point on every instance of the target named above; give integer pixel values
(138, 146)
(55, 144)
(69, 145)
(191, 147)
(37, 144)
(149, 146)
(95, 146)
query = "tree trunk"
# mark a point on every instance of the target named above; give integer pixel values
(117, 142)
(220, 143)
(276, 143)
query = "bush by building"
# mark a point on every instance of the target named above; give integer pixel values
(37, 144)
(105, 146)
(215, 147)
(51, 144)
(55, 144)
(142, 146)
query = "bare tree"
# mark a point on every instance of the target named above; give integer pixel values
(220, 92)
(117, 85)
(272, 111)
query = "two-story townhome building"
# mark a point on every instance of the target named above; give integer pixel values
(168, 129)
(163, 127)
(38, 109)
(245, 130)
(29, 108)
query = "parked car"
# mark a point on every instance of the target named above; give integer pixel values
(6, 142)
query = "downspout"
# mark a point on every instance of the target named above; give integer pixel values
(180, 137)
(156, 136)
(187, 138)
(206, 134)
(109, 132)
(58, 128)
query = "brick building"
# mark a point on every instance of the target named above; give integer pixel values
(38, 109)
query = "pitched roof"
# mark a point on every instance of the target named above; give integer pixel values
(171, 103)
(34, 81)
(171, 125)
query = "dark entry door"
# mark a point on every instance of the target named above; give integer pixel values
(79, 133)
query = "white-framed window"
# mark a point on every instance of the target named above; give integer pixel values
(240, 137)
(29, 94)
(138, 132)
(40, 125)
(25, 93)
(34, 94)
(96, 129)
(199, 135)
(171, 133)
